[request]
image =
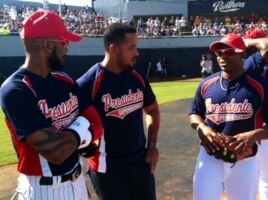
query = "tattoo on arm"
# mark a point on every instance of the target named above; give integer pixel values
(59, 142)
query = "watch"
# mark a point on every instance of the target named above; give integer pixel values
(152, 144)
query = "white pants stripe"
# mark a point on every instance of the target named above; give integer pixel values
(213, 177)
(29, 189)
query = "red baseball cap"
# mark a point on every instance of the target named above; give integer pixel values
(46, 24)
(255, 33)
(232, 40)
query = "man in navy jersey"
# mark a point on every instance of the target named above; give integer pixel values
(257, 52)
(230, 102)
(47, 119)
(124, 164)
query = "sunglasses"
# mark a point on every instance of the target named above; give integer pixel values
(64, 42)
(226, 52)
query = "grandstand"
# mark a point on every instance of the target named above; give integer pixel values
(163, 31)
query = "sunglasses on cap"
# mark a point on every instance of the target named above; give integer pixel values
(63, 41)
(226, 52)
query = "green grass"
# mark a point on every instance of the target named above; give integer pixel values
(7, 152)
(165, 92)
(174, 90)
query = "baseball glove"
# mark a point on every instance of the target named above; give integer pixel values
(89, 150)
(228, 155)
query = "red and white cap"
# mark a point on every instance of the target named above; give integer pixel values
(232, 40)
(46, 24)
(255, 33)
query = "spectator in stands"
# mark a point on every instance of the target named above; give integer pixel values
(165, 22)
(191, 22)
(227, 20)
(197, 21)
(252, 18)
(171, 21)
(195, 31)
(182, 24)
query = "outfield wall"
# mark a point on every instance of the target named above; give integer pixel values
(183, 54)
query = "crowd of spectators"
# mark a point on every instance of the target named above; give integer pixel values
(88, 23)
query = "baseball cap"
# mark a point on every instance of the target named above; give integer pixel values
(45, 24)
(255, 33)
(232, 40)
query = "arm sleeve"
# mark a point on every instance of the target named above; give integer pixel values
(264, 103)
(149, 96)
(85, 85)
(21, 108)
(255, 63)
(198, 104)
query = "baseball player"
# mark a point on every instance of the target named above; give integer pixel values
(228, 103)
(123, 166)
(255, 40)
(47, 119)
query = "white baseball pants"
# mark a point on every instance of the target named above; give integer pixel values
(262, 156)
(213, 177)
(30, 189)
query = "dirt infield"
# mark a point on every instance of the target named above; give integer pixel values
(178, 151)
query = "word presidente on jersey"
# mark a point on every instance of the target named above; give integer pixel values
(59, 112)
(123, 105)
(219, 113)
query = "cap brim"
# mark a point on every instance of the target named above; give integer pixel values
(71, 37)
(216, 45)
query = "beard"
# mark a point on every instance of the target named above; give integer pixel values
(55, 63)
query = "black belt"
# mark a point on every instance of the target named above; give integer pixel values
(72, 176)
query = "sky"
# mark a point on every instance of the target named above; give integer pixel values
(67, 2)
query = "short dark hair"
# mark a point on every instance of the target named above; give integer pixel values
(115, 33)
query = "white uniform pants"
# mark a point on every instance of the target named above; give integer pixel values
(29, 189)
(263, 168)
(213, 177)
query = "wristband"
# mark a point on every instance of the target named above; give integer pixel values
(80, 128)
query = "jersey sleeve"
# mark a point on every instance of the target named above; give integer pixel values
(85, 86)
(264, 103)
(21, 109)
(198, 105)
(149, 96)
(255, 63)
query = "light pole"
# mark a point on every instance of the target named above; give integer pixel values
(119, 10)
(60, 8)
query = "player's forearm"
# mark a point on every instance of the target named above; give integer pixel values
(196, 120)
(96, 124)
(53, 147)
(152, 128)
(153, 123)
(260, 43)
(261, 133)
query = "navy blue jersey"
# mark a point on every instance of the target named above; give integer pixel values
(255, 63)
(31, 102)
(119, 99)
(232, 107)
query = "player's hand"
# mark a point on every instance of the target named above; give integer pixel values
(242, 141)
(152, 158)
(206, 135)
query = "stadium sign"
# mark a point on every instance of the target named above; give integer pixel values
(229, 6)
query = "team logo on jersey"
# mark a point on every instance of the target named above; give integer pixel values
(124, 105)
(224, 112)
(62, 114)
